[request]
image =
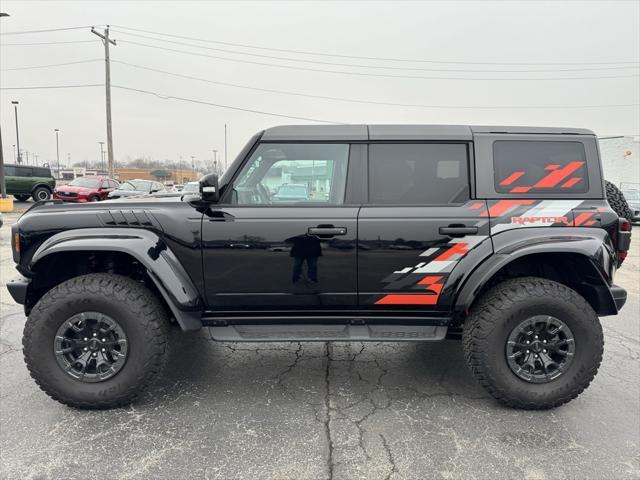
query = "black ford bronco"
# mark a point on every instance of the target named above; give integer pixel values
(338, 233)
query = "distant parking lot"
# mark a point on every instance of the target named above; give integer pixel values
(322, 410)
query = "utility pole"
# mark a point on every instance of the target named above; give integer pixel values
(15, 109)
(215, 161)
(57, 130)
(107, 83)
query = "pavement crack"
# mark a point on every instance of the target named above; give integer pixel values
(327, 422)
(390, 458)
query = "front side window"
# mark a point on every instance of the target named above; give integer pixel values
(418, 174)
(293, 174)
(529, 167)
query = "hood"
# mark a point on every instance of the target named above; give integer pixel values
(126, 193)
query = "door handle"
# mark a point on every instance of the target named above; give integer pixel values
(327, 231)
(457, 230)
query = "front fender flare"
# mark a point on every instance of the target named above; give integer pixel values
(509, 246)
(163, 267)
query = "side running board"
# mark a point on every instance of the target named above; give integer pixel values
(324, 333)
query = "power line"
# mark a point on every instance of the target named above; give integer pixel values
(371, 102)
(51, 65)
(202, 102)
(384, 67)
(42, 87)
(362, 74)
(324, 54)
(46, 30)
(48, 43)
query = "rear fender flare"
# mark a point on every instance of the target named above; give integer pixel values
(150, 250)
(510, 246)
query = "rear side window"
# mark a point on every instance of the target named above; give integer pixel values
(41, 172)
(529, 167)
(418, 174)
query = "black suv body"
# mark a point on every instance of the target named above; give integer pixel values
(403, 233)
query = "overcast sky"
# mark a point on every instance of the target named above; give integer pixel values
(496, 40)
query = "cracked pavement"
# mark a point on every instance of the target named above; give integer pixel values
(322, 410)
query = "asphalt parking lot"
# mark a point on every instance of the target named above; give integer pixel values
(318, 411)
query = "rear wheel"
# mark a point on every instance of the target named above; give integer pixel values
(22, 198)
(533, 343)
(96, 341)
(41, 193)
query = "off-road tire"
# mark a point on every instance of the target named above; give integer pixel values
(41, 193)
(617, 201)
(496, 314)
(137, 310)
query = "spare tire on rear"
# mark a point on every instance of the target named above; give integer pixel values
(617, 201)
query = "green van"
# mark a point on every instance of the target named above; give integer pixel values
(24, 181)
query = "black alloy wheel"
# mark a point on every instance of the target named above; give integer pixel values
(91, 347)
(540, 349)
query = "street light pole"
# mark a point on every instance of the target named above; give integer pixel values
(57, 130)
(15, 109)
(102, 157)
(3, 187)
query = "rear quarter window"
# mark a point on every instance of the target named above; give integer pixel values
(529, 167)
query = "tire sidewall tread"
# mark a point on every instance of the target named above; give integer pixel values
(139, 313)
(501, 309)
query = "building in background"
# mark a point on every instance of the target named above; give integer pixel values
(167, 175)
(621, 161)
(160, 174)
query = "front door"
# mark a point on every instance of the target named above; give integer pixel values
(281, 237)
(418, 224)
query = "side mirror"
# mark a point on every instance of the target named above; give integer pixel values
(209, 188)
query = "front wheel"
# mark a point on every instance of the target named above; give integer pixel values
(96, 341)
(41, 193)
(533, 343)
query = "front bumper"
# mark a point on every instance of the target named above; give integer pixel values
(18, 289)
(619, 295)
(71, 199)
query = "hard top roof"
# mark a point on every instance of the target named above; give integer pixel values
(401, 132)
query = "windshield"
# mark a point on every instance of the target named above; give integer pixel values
(631, 194)
(191, 187)
(135, 185)
(85, 183)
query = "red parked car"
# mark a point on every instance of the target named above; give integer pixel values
(86, 189)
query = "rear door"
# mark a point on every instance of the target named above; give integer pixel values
(419, 223)
(267, 250)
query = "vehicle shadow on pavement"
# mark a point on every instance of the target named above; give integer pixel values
(402, 370)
